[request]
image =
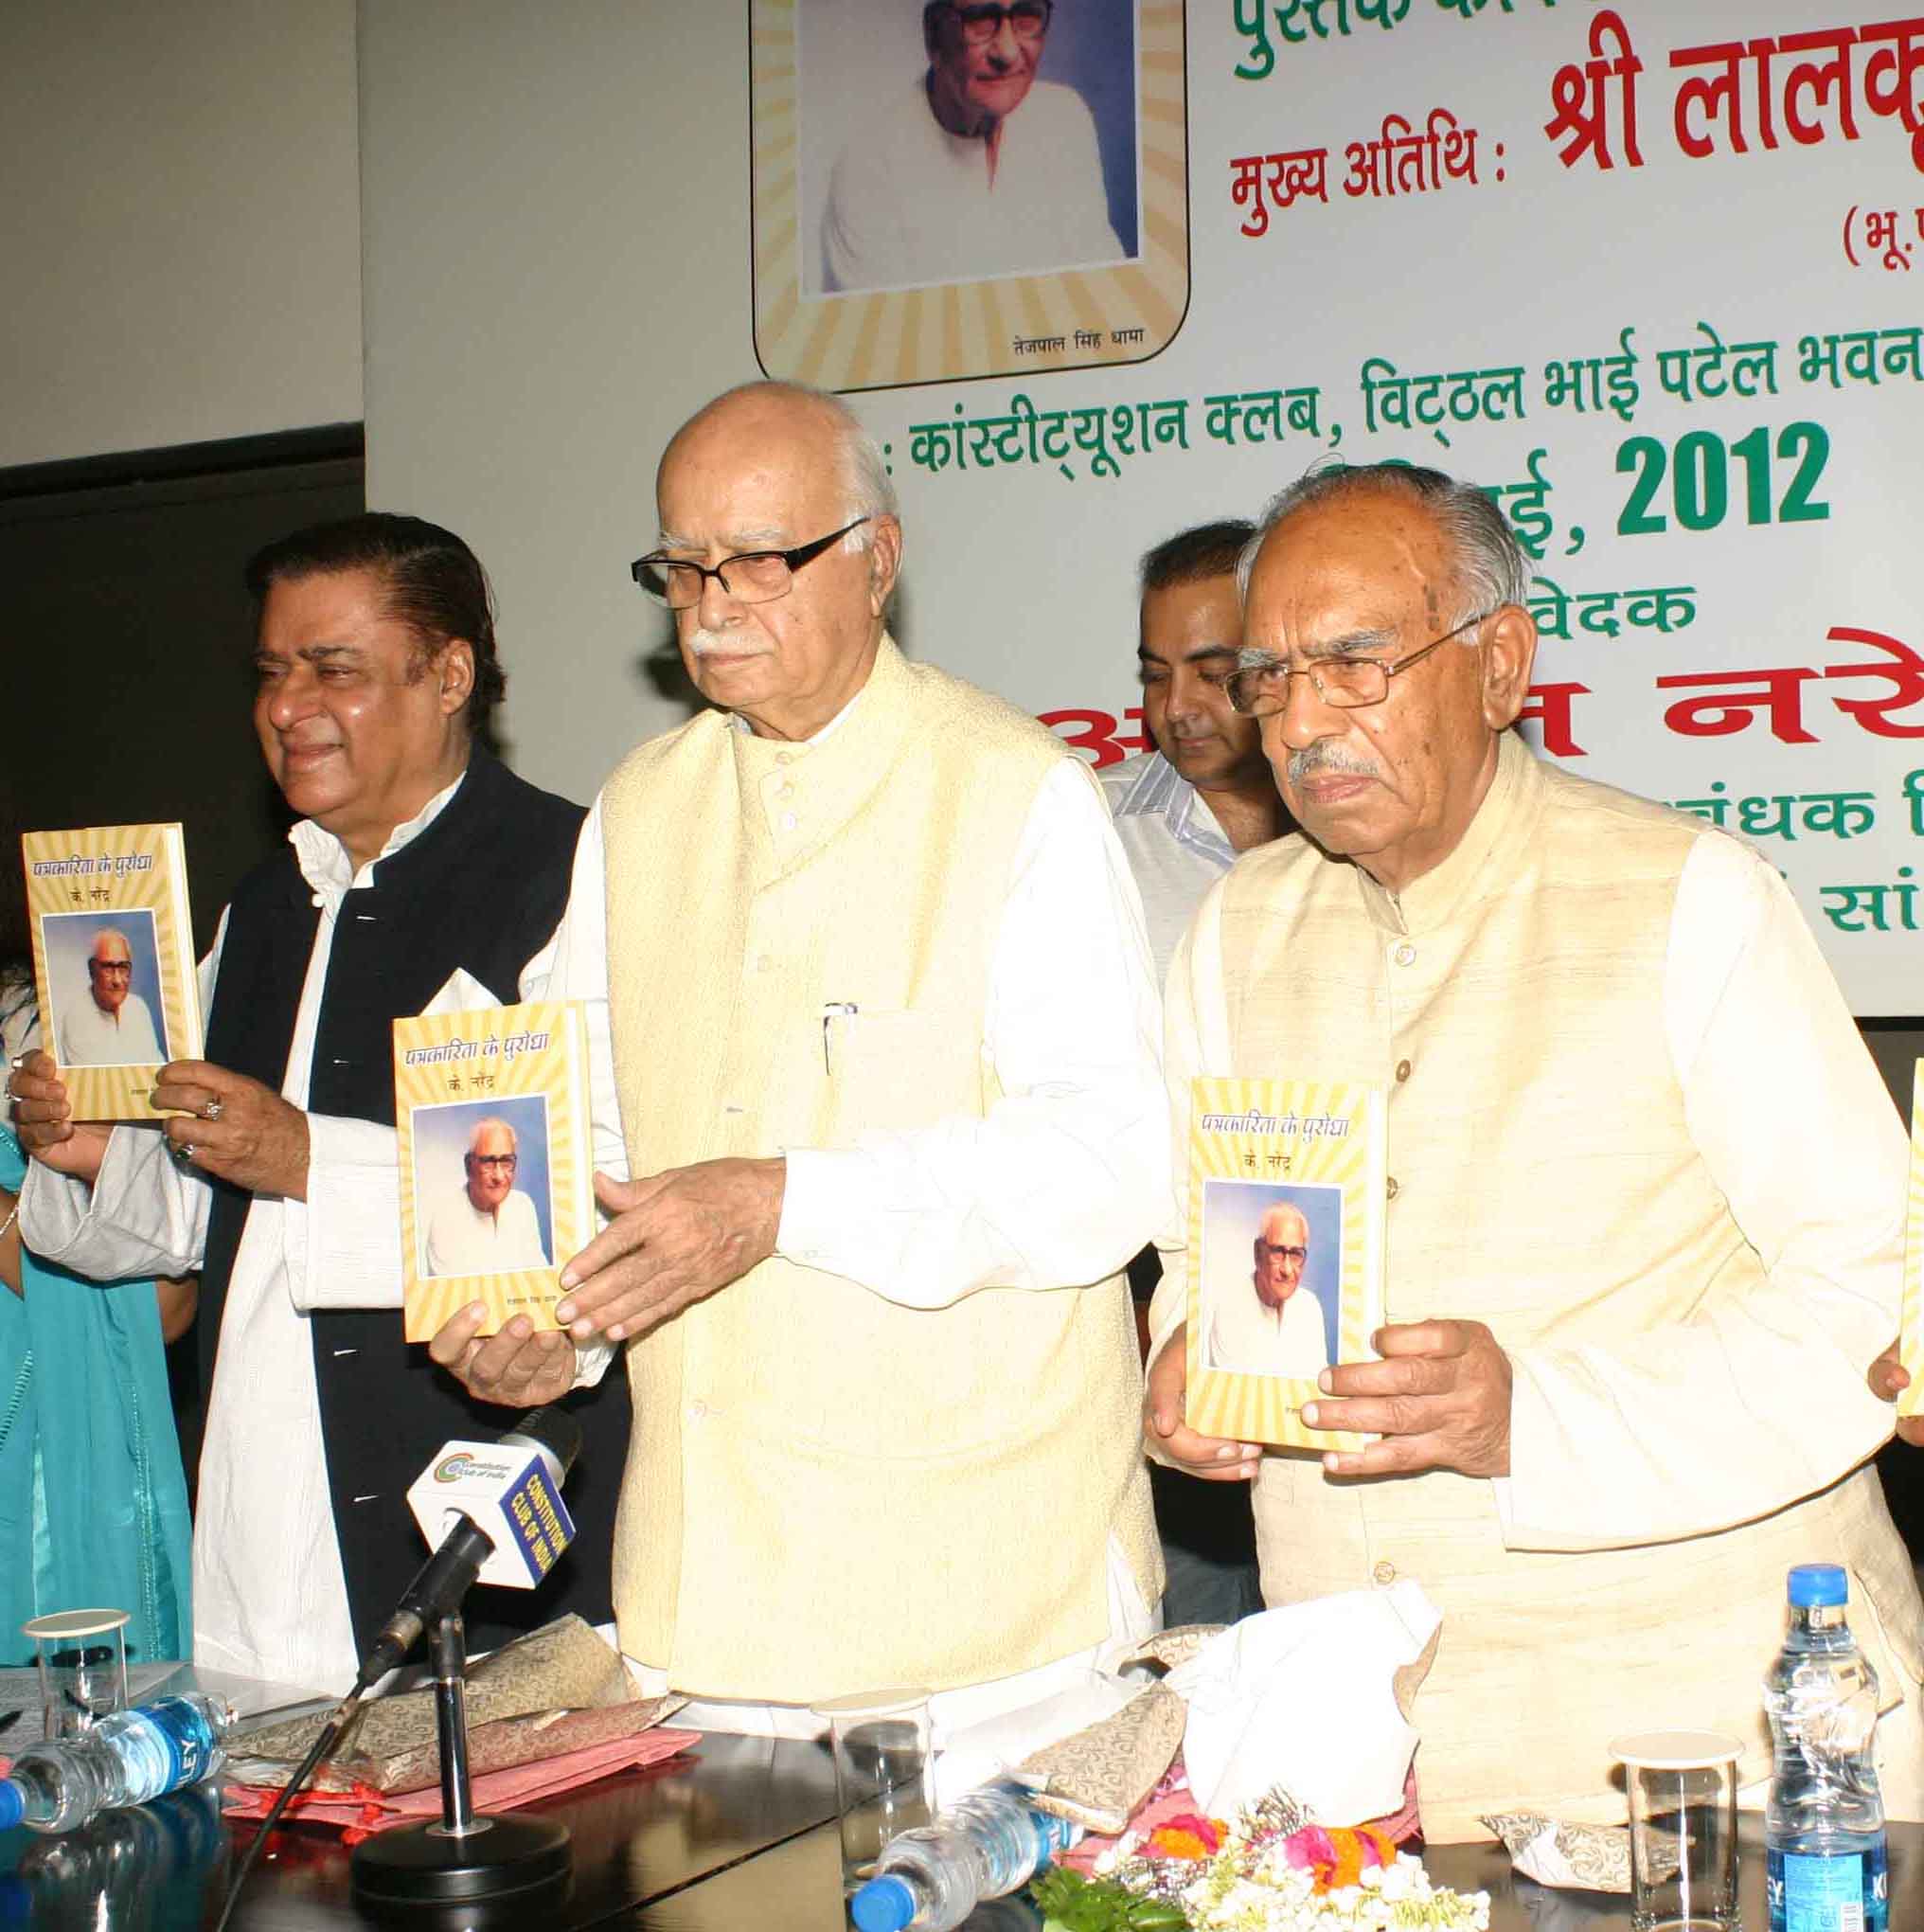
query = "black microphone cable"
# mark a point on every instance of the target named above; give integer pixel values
(438, 1587)
(343, 1715)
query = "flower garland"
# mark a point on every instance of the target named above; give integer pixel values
(1272, 1870)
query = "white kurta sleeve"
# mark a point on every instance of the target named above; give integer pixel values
(1194, 1042)
(145, 1213)
(342, 1244)
(1067, 1174)
(575, 966)
(1760, 1398)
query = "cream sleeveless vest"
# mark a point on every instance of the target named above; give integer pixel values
(1544, 1182)
(827, 1491)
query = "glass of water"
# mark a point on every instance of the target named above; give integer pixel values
(1683, 1795)
(884, 1772)
(83, 1660)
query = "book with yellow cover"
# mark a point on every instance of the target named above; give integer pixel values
(1911, 1344)
(112, 962)
(491, 1109)
(1286, 1250)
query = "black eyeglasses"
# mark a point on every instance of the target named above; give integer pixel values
(1263, 688)
(980, 24)
(1289, 1254)
(502, 1163)
(749, 577)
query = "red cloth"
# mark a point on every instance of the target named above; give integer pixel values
(363, 1811)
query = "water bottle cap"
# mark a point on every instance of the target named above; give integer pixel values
(884, 1904)
(12, 1804)
(1818, 1585)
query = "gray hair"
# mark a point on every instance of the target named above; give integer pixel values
(481, 1127)
(868, 489)
(1491, 566)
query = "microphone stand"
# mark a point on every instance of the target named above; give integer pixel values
(462, 1856)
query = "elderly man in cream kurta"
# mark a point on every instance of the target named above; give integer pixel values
(1644, 1219)
(884, 1044)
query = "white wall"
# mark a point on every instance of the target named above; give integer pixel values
(180, 238)
(546, 300)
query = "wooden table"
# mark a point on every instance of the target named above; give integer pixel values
(735, 1838)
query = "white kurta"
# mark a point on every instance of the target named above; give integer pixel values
(268, 1597)
(88, 1037)
(1250, 1338)
(910, 203)
(467, 1240)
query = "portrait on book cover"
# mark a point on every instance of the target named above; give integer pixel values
(1271, 1273)
(103, 978)
(483, 1202)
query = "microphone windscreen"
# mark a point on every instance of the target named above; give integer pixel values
(553, 1429)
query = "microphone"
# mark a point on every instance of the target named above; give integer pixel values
(497, 1508)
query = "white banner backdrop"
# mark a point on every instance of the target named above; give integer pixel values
(1651, 272)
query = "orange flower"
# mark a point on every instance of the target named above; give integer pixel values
(1187, 1835)
(1339, 1857)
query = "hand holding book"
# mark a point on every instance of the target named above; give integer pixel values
(520, 1366)
(1210, 1457)
(43, 1118)
(234, 1128)
(1439, 1398)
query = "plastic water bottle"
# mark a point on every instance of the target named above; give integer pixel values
(1824, 1827)
(127, 1757)
(930, 1879)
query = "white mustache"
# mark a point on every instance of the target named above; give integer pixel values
(721, 644)
(1325, 756)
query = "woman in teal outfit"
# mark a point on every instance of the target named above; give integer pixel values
(93, 1503)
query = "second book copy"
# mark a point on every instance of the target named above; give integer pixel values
(490, 1108)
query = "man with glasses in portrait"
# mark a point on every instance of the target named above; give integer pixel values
(1645, 1211)
(974, 169)
(113, 1025)
(883, 1125)
(1274, 1327)
(489, 1226)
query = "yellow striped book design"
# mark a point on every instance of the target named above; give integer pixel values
(120, 890)
(505, 1079)
(1315, 1152)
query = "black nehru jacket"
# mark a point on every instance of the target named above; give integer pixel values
(481, 888)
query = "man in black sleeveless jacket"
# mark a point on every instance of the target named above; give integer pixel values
(422, 872)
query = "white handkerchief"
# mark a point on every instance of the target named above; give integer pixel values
(1304, 1697)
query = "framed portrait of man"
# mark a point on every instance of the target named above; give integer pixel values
(945, 189)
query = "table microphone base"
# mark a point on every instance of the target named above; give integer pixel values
(427, 1864)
